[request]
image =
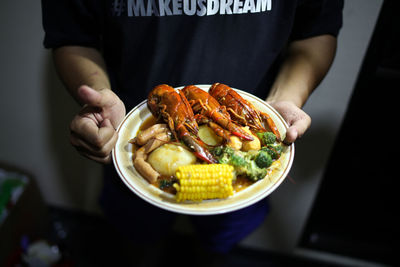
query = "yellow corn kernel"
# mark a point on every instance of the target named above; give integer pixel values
(198, 182)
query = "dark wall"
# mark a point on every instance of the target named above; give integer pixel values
(357, 202)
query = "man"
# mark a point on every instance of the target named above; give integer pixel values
(110, 54)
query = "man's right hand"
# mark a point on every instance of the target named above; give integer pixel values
(93, 129)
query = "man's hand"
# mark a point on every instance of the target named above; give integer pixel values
(93, 131)
(305, 64)
(295, 117)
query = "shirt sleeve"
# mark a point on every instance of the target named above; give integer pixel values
(71, 22)
(317, 17)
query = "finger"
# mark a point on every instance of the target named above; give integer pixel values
(100, 145)
(87, 148)
(106, 123)
(87, 130)
(103, 160)
(104, 156)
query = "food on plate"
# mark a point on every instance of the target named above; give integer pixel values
(267, 137)
(200, 147)
(168, 157)
(208, 110)
(244, 163)
(208, 136)
(275, 150)
(150, 133)
(241, 110)
(140, 156)
(234, 142)
(263, 159)
(172, 106)
(198, 182)
(253, 144)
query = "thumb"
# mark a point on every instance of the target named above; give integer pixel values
(298, 127)
(91, 97)
(291, 135)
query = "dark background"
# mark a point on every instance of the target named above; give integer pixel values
(356, 210)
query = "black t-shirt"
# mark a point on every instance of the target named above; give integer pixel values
(181, 42)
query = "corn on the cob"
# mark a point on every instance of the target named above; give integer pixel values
(198, 182)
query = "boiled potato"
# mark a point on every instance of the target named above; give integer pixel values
(168, 157)
(208, 136)
(251, 145)
(234, 142)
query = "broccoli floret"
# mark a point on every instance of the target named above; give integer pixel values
(250, 169)
(227, 150)
(233, 157)
(275, 150)
(229, 156)
(243, 162)
(223, 154)
(255, 173)
(166, 183)
(237, 160)
(263, 159)
(224, 159)
(267, 138)
(217, 151)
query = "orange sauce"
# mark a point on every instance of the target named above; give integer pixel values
(241, 183)
(147, 123)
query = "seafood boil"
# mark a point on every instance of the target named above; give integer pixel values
(205, 145)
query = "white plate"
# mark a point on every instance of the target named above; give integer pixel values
(122, 158)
